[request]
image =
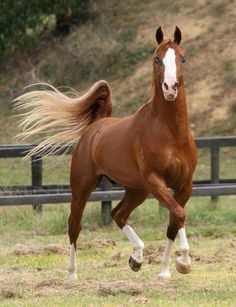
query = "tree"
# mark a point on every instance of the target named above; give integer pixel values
(22, 19)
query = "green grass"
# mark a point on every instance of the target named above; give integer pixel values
(36, 276)
(53, 220)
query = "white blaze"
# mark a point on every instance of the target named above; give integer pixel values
(170, 67)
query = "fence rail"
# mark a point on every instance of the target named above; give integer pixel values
(37, 193)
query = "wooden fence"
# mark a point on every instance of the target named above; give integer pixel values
(38, 194)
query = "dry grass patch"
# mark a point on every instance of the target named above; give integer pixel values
(23, 250)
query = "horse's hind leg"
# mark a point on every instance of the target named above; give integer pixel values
(132, 199)
(83, 180)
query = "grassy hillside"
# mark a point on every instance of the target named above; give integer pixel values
(117, 45)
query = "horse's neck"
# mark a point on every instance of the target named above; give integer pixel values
(172, 113)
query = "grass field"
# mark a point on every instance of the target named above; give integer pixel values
(33, 258)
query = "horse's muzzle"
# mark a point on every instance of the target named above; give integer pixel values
(170, 91)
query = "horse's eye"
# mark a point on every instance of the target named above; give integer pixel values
(157, 60)
(183, 59)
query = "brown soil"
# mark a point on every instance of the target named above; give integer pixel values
(24, 250)
(8, 292)
(97, 244)
(104, 288)
(152, 254)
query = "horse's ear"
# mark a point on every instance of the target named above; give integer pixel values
(159, 35)
(177, 36)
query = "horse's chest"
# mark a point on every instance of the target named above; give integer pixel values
(173, 163)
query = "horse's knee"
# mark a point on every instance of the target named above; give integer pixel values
(119, 219)
(179, 216)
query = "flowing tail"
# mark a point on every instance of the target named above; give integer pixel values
(58, 119)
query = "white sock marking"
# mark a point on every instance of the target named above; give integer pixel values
(184, 247)
(135, 241)
(72, 261)
(165, 272)
(183, 242)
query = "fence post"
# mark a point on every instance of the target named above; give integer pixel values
(106, 205)
(215, 170)
(36, 176)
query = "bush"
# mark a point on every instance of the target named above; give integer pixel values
(21, 19)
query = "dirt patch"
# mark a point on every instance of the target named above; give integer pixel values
(7, 292)
(97, 244)
(24, 250)
(214, 258)
(140, 300)
(54, 282)
(56, 249)
(114, 259)
(219, 256)
(102, 287)
(109, 287)
(51, 286)
(119, 287)
(153, 254)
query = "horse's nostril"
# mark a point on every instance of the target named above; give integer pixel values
(175, 86)
(166, 86)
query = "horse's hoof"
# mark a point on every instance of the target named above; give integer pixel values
(181, 267)
(134, 265)
(163, 275)
(72, 276)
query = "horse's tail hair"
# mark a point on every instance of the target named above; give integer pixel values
(58, 119)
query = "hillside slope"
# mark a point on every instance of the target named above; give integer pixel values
(117, 45)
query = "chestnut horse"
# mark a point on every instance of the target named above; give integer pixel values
(150, 151)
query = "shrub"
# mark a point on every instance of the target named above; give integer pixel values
(22, 19)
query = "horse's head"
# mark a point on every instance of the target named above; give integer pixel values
(168, 64)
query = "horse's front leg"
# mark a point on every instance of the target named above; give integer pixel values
(132, 199)
(159, 190)
(183, 262)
